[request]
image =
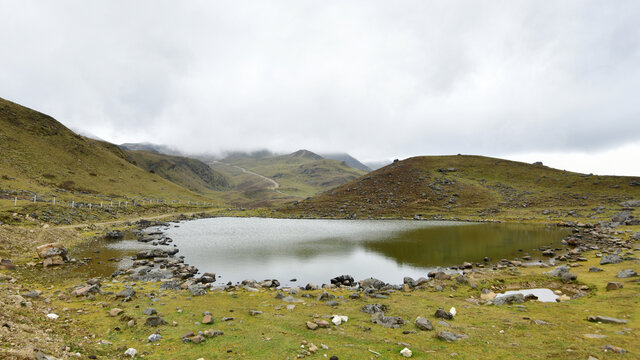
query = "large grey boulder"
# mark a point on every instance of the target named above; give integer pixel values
(610, 259)
(509, 299)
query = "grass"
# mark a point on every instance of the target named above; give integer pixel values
(278, 333)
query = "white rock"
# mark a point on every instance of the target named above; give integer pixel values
(339, 319)
(131, 352)
(453, 311)
(52, 316)
(154, 337)
(406, 352)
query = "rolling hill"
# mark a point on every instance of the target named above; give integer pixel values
(191, 173)
(348, 160)
(42, 157)
(471, 187)
(299, 174)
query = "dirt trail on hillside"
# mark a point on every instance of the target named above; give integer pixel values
(274, 184)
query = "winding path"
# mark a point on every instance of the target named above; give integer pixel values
(274, 184)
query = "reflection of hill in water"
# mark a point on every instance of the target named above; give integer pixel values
(443, 246)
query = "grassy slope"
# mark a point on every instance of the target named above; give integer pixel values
(481, 187)
(278, 332)
(191, 173)
(41, 155)
(300, 174)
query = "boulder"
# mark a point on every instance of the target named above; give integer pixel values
(450, 336)
(155, 321)
(508, 299)
(423, 324)
(6, 264)
(126, 294)
(52, 249)
(606, 320)
(372, 283)
(374, 308)
(86, 290)
(622, 216)
(392, 322)
(614, 286)
(443, 314)
(610, 259)
(344, 280)
(114, 235)
(626, 273)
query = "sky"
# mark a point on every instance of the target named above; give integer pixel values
(550, 81)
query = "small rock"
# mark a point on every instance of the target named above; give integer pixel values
(207, 319)
(606, 320)
(610, 259)
(614, 286)
(254, 312)
(443, 314)
(131, 352)
(614, 349)
(626, 273)
(52, 316)
(149, 311)
(155, 321)
(154, 337)
(311, 325)
(406, 352)
(374, 308)
(115, 312)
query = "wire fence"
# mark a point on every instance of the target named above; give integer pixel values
(35, 199)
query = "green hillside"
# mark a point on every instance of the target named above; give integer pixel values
(191, 173)
(42, 157)
(300, 174)
(473, 187)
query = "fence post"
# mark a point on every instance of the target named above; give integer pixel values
(15, 201)
(34, 199)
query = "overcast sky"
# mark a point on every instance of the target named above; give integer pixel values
(555, 81)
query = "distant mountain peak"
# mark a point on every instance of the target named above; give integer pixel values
(306, 154)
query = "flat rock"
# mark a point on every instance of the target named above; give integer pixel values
(606, 320)
(450, 336)
(392, 322)
(423, 324)
(610, 259)
(443, 314)
(626, 273)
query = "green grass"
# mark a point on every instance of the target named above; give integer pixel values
(278, 332)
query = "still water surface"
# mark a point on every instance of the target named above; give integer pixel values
(317, 250)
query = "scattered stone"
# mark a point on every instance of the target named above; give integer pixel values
(324, 324)
(52, 316)
(155, 321)
(606, 320)
(626, 273)
(311, 325)
(344, 280)
(149, 311)
(207, 319)
(450, 336)
(254, 312)
(406, 353)
(6, 264)
(154, 337)
(610, 259)
(541, 322)
(594, 336)
(423, 324)
(614, 286)
(614, 349)
(114, 235)
(126, 294)
(595, 269)
(372, 283)
(374, 308)
(131, 352)
(337, 320)
(33, 294)
(509, 299)
(443, 314)
(392, 322)
(196, 289)
(115, 312)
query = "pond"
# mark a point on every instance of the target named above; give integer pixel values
(314, 251)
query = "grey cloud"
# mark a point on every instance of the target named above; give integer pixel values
(378, 79)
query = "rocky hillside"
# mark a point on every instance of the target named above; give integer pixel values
(348, 160)
(191, 173)
(473, 187)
